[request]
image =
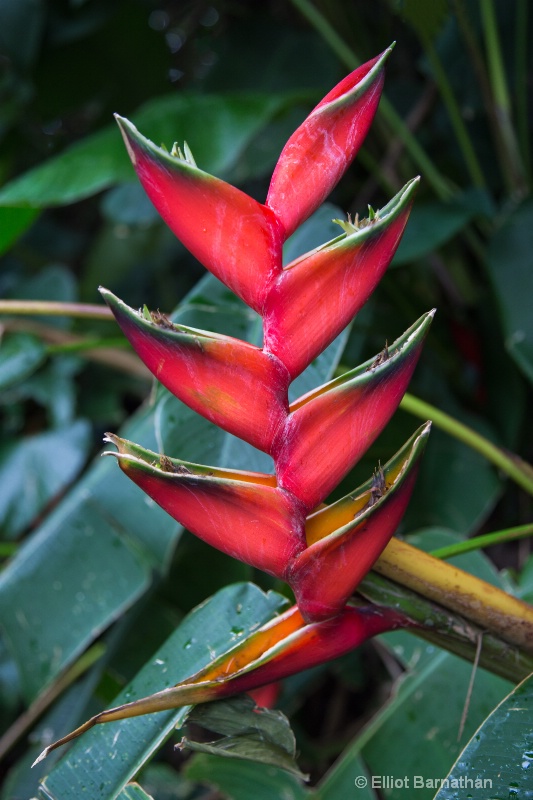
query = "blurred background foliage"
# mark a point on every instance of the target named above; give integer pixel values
(234, 79)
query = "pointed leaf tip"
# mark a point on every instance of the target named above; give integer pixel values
(224, 228)
(321, 149)
(213, 374)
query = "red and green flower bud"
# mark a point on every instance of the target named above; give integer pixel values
(330, 428)
(231, 234)
(346, 538)
(322, 148)
(243, 514)
(317, 295)
(211, 373)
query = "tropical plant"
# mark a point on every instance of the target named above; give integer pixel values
(97, 556)
(278, 523)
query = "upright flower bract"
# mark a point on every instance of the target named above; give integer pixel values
(279, 523)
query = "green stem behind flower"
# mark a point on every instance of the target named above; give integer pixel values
(513, 466)
(514, 176)
(461, 133)
(49, 308)
(487, 540)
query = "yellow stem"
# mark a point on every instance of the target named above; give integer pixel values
(485, 605)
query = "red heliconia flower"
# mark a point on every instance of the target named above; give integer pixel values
(315, 440)
(279, 523)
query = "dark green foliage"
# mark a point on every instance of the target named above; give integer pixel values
(86, 557)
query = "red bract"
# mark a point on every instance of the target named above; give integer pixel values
(320, 292)
(285, 645)
(320, 151)
(224, 228)
(211, 373)
(243, 514)
(328, 430)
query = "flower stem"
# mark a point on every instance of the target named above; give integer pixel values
(521, 82)
(481, 604)
(454, 113)
(480, 542)
(49, 308)
(446, 629)
(515, 175)
(513, 466)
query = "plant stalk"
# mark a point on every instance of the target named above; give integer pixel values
(56, 309)
(458, 125)
(513, 466)
(480, 542)
(515, 176)
(479, 603)
(447, 630)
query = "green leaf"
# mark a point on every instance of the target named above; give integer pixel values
(499, 757)
(509, 267)
(242, 780)
(133, 792)
(35, 469)
(92, 557)
(248, 732)
(13, 223)
(128, 204)
(54, 282)
(20, 355)
(344, 777)
(53, 388)
(23, 781)
(217, 127)
(161, 781)
(104, 759)
(525, 586)
(319, 229)
(449, 466)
